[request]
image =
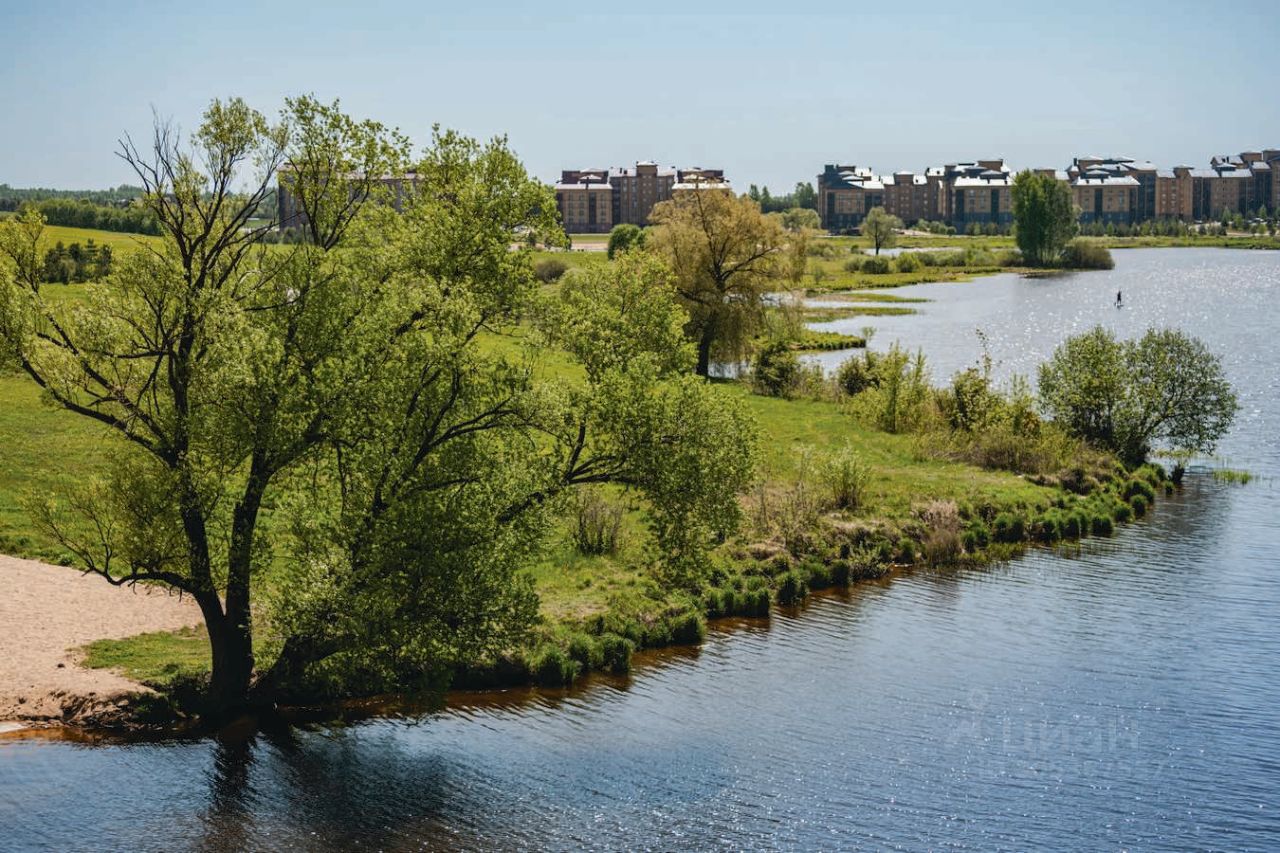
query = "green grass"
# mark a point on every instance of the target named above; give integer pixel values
(902, 474)
(43, 451)
(116, 240)
(156, 658)
(827, 314)
(880, 296)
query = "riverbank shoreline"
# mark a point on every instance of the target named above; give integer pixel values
(122, 709)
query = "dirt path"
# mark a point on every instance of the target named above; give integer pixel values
(48, 611)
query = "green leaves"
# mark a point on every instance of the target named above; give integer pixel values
(1045, 217)
(609, 317)
(1128, 395)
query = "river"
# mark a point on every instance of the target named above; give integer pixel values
(1121, 695)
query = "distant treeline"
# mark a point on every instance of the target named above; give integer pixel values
(12, 198)
(106, 210)
(133, 219)
(804, 195)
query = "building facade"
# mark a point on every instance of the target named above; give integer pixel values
(1107, 190)
(592, 201)
(846, 194)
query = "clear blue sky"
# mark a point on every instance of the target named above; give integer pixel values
(767, 91)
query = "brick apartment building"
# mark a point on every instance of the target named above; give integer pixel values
(1107, 190)
(592, 201)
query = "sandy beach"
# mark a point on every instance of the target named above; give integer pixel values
(46, 612)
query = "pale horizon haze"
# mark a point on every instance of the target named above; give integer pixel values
(768, 92)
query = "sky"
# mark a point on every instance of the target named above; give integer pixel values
(767, 91)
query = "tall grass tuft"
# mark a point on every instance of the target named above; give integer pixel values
(846, 476)
(597, 523)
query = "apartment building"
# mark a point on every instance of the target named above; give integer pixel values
(959, 193)
(1107, 197)
(1173, 193)
(592, 201)
(1141, 203)
(906, 196)
(846, 194)
(978, 193)
(1107, 190)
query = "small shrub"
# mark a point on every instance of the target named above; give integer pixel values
(818, 572)
(719, 602)
(548, 270)
(598, 522)
(909, 262)
(877, 265)
(1141, 487)
(792, 587)
(1010, 258)
(1121, 512)
(942, 540)
(615, 653)
(846, 476)
(1071, 526)
(976, 537)
(1081, 254)
(776, 371)
(551, 666)
(853, 265)
(856, 374)
(688, 627)
(1082, 521)
(1139, 504)
(906, 551)
(754, 602)
(1047, 528)
(1009, 527)
(584, 649)
(1101, 525)
(841, 572)
(624, 237)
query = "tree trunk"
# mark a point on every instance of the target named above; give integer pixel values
(231, 646)
(704, 350)
(283, 680)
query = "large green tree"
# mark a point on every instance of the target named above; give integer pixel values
(353, 384)
(1045, 217)
(1127, 396)
(726, 255)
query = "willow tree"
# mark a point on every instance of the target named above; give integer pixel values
(350, 383)
(726, 255)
